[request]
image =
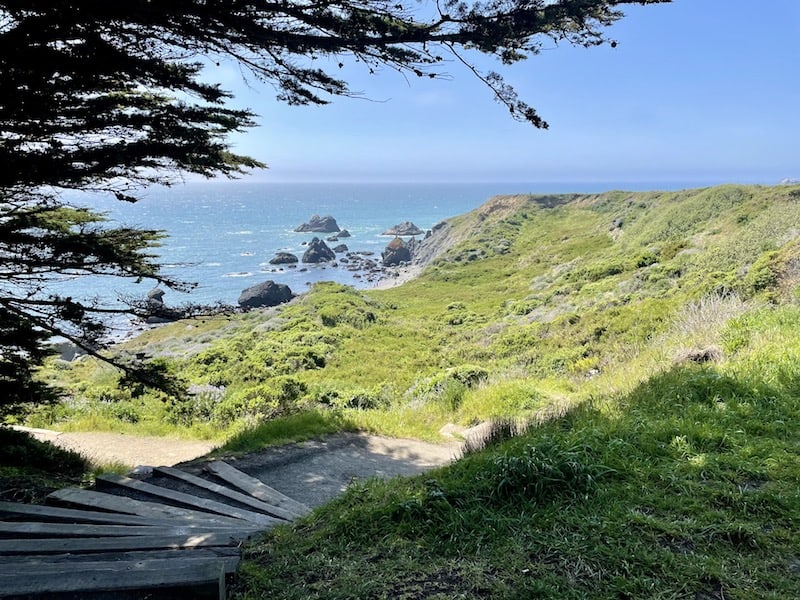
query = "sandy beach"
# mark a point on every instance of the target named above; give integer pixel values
(398, 276)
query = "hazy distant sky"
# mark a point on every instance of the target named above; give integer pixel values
(704, 91)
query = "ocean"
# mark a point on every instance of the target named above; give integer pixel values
(222, 234)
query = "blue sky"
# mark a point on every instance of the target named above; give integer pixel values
(697, 91)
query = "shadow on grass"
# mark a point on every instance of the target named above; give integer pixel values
(695, 469)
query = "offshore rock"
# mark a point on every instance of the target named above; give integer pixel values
(267, 293)
(404, 228)
(319, 224)
(317, 252)
(283, 258)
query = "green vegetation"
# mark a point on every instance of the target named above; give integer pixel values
(134, 112)
(643, 346)
(30, 469)
(684, 487)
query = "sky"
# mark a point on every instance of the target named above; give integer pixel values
(696, 91)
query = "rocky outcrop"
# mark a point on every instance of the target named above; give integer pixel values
(66, 350)
(317, 252)
(340, 248)
(404, 228)
(284, 258)
(319, 224)
(396, 253)
(158, 311)
(267, 293)
(343, 234)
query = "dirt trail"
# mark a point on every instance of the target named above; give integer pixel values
(311, 472)
(131, 450)
(316, 471)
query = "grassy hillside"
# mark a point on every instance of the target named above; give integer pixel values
(531, 301)
(651, 340)
(686, 486)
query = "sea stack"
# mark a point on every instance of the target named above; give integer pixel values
(319, 224)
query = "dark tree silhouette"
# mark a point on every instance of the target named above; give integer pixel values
(107, 97)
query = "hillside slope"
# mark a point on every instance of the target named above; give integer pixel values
(669, 323)
(526, 301)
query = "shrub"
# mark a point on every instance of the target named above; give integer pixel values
(18, 448)
(449, 387)
(533, 472)
(645, 259)
(279, 396)
(762, 274)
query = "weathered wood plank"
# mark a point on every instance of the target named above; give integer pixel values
(187, 499)
(124, 505)
(116, 544)
(117, 577)
(119, 556)
(23, 529)
(16, 510)
(11, 510)
(256, 488)
(36, 567)
(226, 492)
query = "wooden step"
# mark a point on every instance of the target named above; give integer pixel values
(99, 576)
(39, 565)
(256, 488)
(225, 492)
(57, 514)
(31, 529)
(183, 499)
(107, 543)
(222, 552)
(155, 510)
(116, 544)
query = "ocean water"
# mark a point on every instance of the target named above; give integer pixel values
(221, 235)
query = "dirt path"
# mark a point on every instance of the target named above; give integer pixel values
(311, 472)
(104, 447)
(316, 471)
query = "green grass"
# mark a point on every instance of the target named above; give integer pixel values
(300, 427)
(30, 469)
(685, 487)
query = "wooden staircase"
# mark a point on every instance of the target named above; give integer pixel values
(176, 533)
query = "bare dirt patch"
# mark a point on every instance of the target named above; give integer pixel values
(108, 447)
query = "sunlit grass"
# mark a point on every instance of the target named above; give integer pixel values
(303, 426)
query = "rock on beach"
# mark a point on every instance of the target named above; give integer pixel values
(267, 293)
